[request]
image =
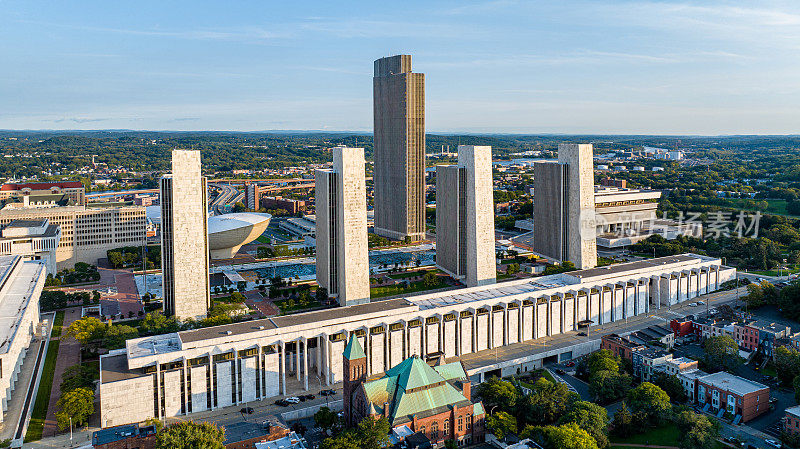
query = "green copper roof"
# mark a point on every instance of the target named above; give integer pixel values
(413, 387)
(413, 372)
(353, 350)
(478, 410)
(451, 371)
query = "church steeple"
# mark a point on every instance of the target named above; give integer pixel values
(354, 370)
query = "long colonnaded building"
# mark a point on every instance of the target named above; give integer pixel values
(191, 371)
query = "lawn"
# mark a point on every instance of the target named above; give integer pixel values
(399, 289)
(58, 322)
(774, 206)
(264, 239)
(287, 307)
(791, 270)
(411, 274)
(43, 394)
(663, 436)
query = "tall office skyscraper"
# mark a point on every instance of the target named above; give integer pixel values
(465, 217)
(399, 142)
(184, 238)
(341, 220)
(563, 208)
(252, 196)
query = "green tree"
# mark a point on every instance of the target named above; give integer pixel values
(602, 360)
(650, 401)
(697, 431)
(502, 424)
(796, 387)
(116, 335)
(497, 392)
(787, 364)
(607, 386)
(116, 259)
(590, 417)
(567, 436)
(156, 323)
(77, 405)
(546, 402)
(722, 353)
(623, 421)
(369, 433)
(87, 329)
(191, 435)
(78, 376)
(671, 385)
(325, 418)
(430, 280)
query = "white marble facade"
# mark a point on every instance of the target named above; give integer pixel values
(261, 359)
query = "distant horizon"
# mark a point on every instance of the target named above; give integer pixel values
(369, 133)
(583, 67)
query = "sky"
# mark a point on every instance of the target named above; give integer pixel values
(491, 66)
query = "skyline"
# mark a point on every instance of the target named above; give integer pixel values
(505, 67)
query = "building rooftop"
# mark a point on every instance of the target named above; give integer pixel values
(794, 411)
(118, 433)
(735, 384)
(495, 291)
(291, 441)
(18, 280)
(652, 353)
(640, 265)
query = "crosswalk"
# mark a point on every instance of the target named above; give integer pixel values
(559, 379)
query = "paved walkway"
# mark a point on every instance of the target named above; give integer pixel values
(267, 308)
(69, 353)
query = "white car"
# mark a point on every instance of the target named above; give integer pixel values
(293, 400)
(700, 303)
(774, 443)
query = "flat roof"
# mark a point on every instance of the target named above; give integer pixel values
(496, 291)
(115, 367)
(642, 265)
(27, 223)
(317, 316)
(735, 384)
(18, 280)
(794, 410)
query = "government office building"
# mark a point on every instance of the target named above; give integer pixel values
(191, 371)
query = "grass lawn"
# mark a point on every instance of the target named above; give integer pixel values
(663, 436)
(264, 239)
(58, 322)
(39, 413)
(411, 274)
(791, 270)
(501, 276)
(419, 286)
(774, 206)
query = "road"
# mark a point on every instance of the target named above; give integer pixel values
(228, 195)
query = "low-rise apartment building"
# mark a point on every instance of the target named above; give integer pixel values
(646, 361)
(621, 346)
(791, 420)
(740, 397)
(688, 380)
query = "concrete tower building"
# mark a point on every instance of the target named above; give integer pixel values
(465, 217)
(341, 222)
(184, 238)
(564, 207)
(399, 176)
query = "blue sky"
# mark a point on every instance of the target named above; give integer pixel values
(652, 67)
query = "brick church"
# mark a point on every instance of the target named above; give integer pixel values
(434, 401)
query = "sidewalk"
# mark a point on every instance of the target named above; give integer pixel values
(69, 353)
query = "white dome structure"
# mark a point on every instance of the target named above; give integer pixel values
(227, 233)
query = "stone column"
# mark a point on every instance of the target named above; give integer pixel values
(305, 363)
(282, 357)
(319, 355)
(235, 372)
(549, 327)
(158, 390)
(458, 333)
(521, 321)
(211, 376)
(186, 384)
(474, 329)
(563, 299)
(297, 358)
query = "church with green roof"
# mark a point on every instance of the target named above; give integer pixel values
(414, 397)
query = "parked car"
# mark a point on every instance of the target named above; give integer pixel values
(247, 410)
(327, 393)
(582, 334)
(282, 402)
(309, 397)
(293, 400)
(560, 371)
(773, 443)
(569, 364)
